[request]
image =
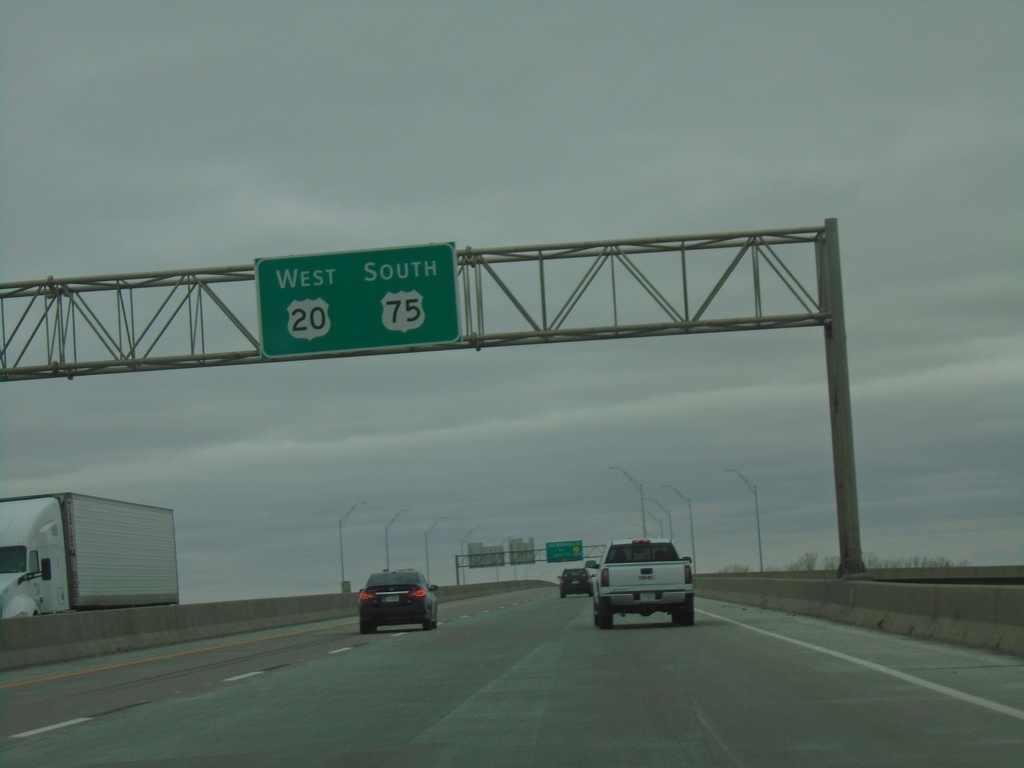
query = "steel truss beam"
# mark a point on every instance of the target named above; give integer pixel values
(162, 320)
(537, 294)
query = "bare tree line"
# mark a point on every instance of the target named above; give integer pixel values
(812, 561)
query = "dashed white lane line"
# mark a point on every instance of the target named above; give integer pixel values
(341, 650)
(242, 677)
(53, 727)
(912, 679)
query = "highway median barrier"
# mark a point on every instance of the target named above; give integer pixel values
(979, 615)
(35, 640)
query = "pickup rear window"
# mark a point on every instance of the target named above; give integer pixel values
(641, 552)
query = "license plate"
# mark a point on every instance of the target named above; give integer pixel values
(390, 598)
(646, 597)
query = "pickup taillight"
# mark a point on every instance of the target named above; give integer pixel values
(604, 577)
(689, 574)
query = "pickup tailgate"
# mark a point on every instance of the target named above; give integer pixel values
(645, 577)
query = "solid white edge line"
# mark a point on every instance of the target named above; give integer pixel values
(242, 677)
(936, 687)
(54, 727)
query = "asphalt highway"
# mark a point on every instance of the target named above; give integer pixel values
(525, 679)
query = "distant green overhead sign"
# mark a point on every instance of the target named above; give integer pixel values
(359, 300)
(564, 551)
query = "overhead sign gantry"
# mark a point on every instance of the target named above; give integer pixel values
(535, 294)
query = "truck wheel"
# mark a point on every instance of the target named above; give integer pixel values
(605, 619)
(688, 616)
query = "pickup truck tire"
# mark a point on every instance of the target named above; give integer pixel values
(604, 618)
(684, 617)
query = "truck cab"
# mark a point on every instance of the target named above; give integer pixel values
(33, 573)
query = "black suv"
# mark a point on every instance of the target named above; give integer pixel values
(574, 581)
(397, 597)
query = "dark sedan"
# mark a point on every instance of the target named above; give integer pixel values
(397, 597)
(574, 581)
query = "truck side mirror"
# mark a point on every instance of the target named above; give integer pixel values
(47, 569)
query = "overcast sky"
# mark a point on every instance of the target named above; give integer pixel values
(164, 136)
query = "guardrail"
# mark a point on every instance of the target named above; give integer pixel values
(985, 610)
(35, 640)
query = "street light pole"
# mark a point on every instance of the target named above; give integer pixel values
(757, 515)
(693, 541)
(387, 551)
(643, 513)
(426, 546)
(661, 525)
(668, 514)
(341, 545)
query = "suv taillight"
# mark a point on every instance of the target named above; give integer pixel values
(417, 593)
(367, 595)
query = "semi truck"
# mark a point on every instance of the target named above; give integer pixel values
(74, 552)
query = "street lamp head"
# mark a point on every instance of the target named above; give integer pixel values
(350, 510)
(632, 479)
(678, 492)
(739, 474)
(395, 517)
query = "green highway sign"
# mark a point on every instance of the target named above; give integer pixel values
(358, 300)
(564, 551)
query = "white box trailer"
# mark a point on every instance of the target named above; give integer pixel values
(70, 551)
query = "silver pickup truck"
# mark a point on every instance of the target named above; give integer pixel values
(643, 576)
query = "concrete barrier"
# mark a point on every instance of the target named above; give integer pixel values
(35, 640)
(981, 616)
